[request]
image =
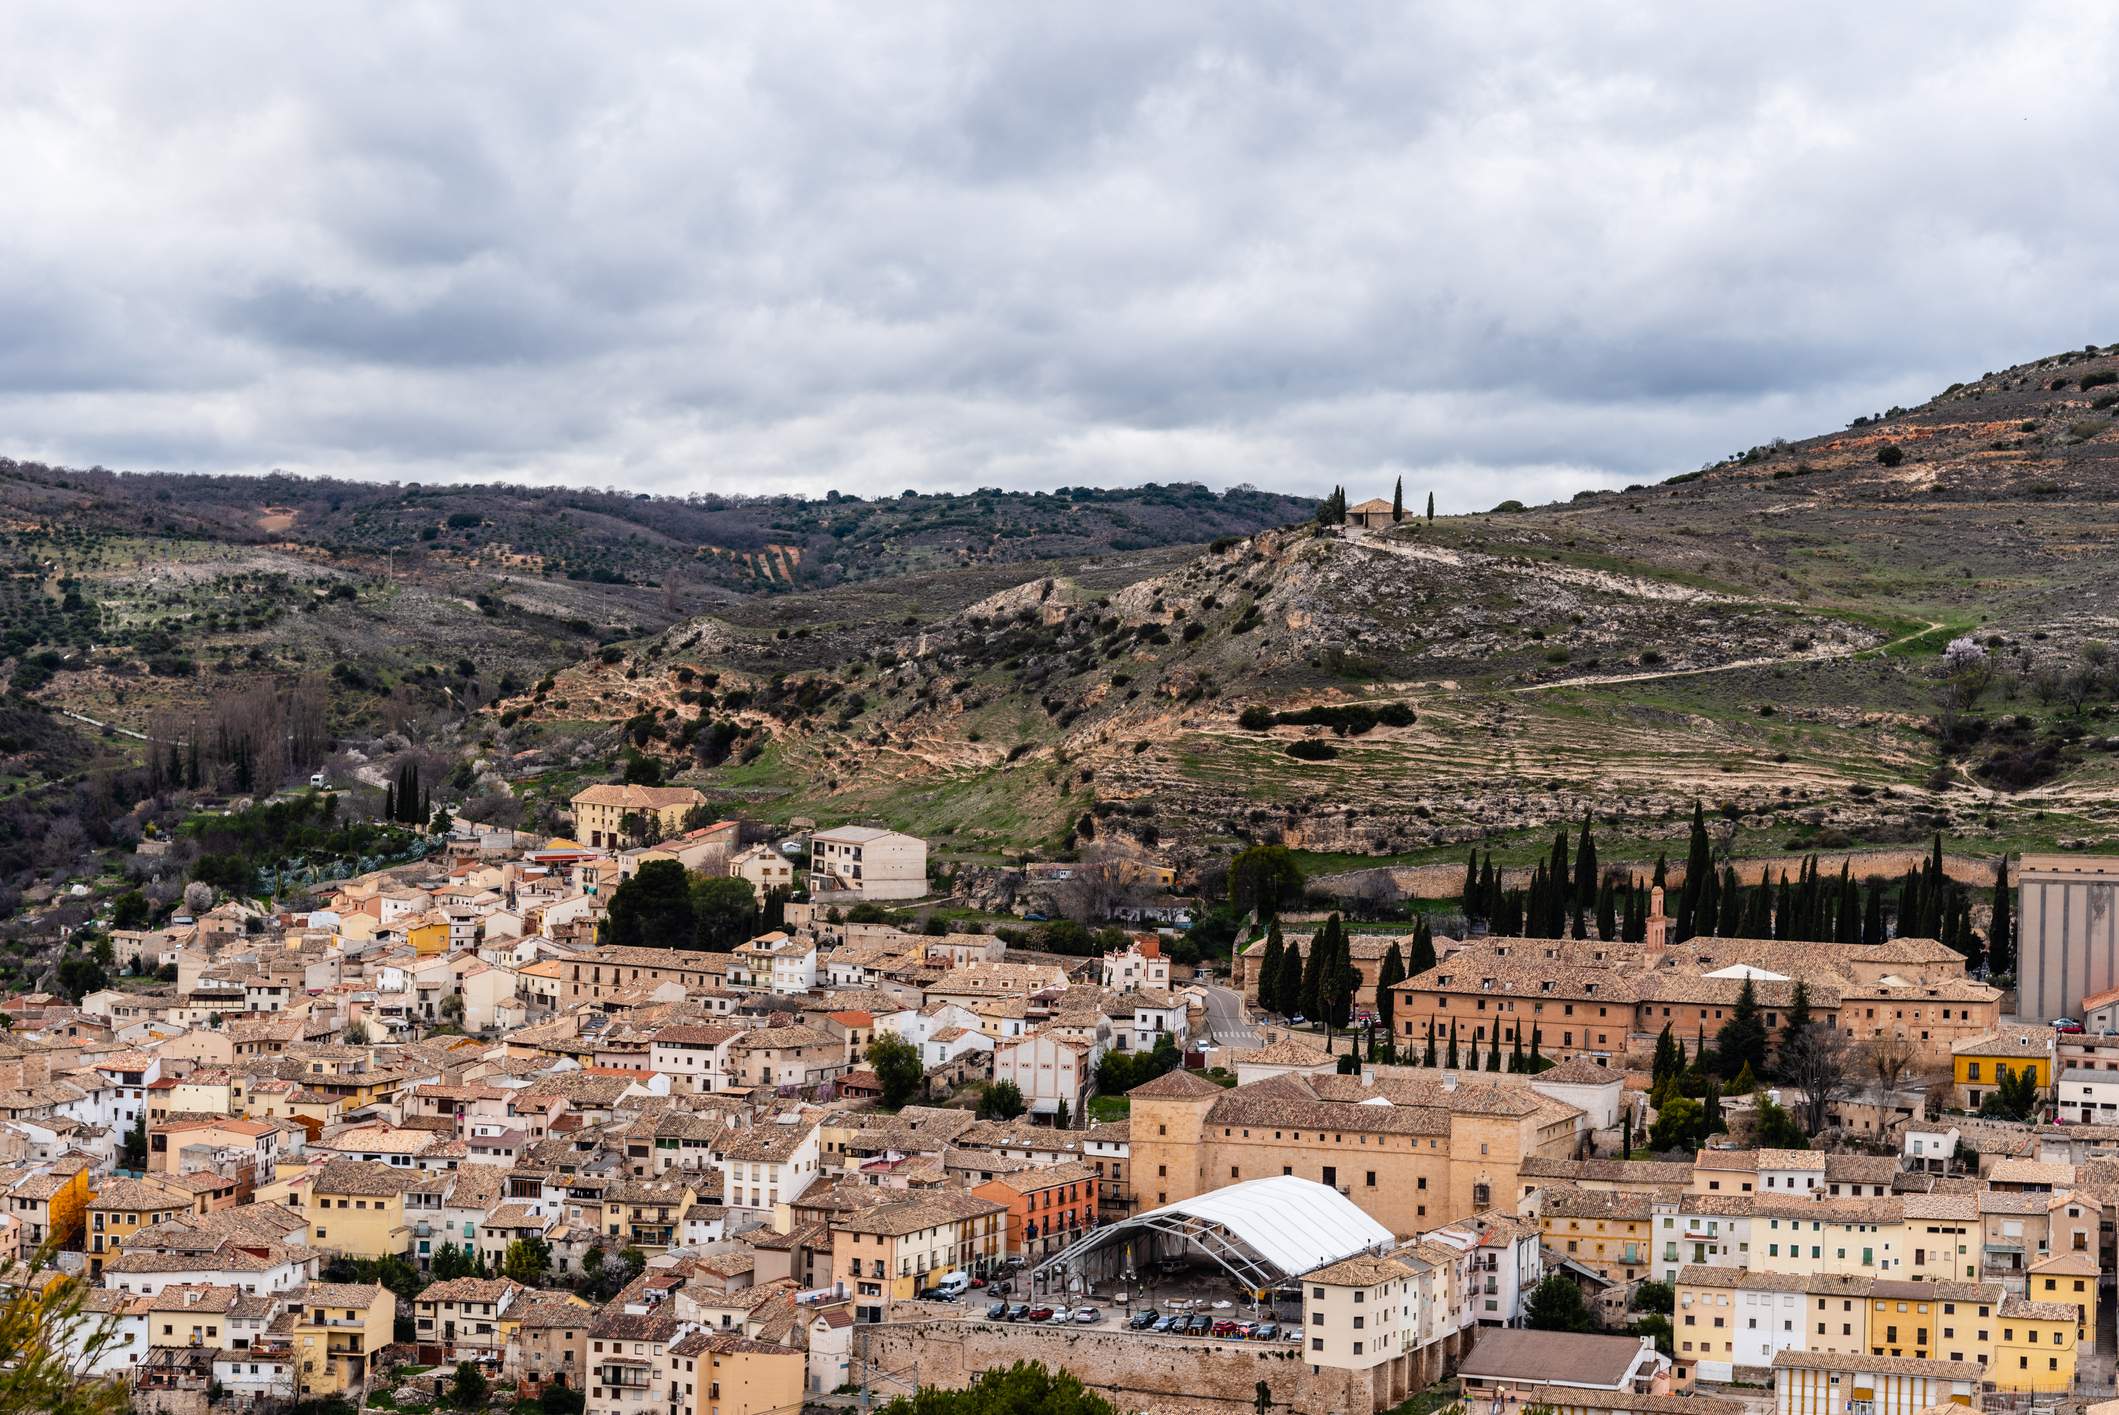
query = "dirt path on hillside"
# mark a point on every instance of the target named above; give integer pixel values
(1591, 680)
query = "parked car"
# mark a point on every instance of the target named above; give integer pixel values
(1297, 1020)
(2066, 1024)
(1018, 1313)
(1222, 1327)
(1200, 1325)
(1061, 1316)
(1087, 1316)
(1170, 1322)
(1291, 1333)
(1040, 1314)
(1143, 1319)
(1266, 1331)
(998, 1312)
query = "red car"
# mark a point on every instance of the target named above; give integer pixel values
(1223, 1328)
(1040, 1314)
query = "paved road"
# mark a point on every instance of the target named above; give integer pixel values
(1227, 1023)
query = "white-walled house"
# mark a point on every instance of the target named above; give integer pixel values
(867, 862)
(1050, 1070)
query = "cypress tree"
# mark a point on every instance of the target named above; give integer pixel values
(1758, 912)
(1515, 1055)
(1291, 976)
(1668, 1057)
(1316, 958)
(1715, 1123)
(1269, 968)
(1537, 1062)
(1872, 919)
(1493, 1055)
(1453, 1044)
(1798, 1015)
(1699, 864)
(1429, 1058)
(1742, 1040)
(1662, 872)
(2001, 932)
(1389, 976)
(1607, 914)
(1626, 1120)
(1586, 867)
(389, 801)
(1431, 506)
(1423, 949)
(1471, 899)
(1731, 922)
(1398, 501)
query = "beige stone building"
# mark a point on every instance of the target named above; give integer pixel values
(1410, 1150)
(601, 813)
(2067, 931)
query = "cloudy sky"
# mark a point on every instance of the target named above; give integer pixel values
(1502, 250)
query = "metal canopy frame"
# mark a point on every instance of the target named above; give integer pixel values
(1234, 1256)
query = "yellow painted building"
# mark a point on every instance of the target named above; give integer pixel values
(339, 1329)
(1863, 1237)
(429, 936)
(893, 1252)
(2070, 1278)
(49, 1206)
(726, 1373)
(1607, 1231)
(1976, 1062)
(2036, 1348)
(357, 1208)
(121, 1208)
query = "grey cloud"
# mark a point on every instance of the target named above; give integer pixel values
(1509, 251)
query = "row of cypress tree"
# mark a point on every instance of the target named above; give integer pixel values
(1575, 897)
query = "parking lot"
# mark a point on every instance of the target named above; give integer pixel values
(1200, 1297)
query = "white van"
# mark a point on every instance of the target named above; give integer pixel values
(951, 1285)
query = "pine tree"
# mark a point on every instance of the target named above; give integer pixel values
(1742, 1040)
(1398, 501)
(2001, 932)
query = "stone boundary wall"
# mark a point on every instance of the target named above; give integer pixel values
(1446, 881)
(1134, 1370)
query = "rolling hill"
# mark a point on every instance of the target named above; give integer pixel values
(1767, 634)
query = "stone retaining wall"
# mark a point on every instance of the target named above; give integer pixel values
(1134, 1370)
(1447, 881)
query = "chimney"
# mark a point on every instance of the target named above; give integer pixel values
(1449, 1080)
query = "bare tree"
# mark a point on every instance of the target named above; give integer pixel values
(1092, 891)
(1816, 1060)
(1889, 1056)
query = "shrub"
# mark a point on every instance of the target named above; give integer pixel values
(1509, 505)
(2099, 379)
(1312, 749)
(1255, 718)
(1890, 454)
